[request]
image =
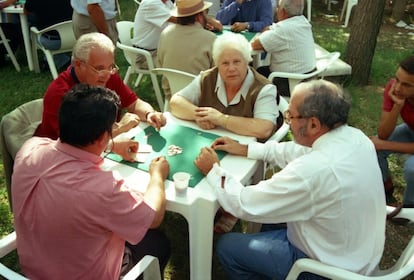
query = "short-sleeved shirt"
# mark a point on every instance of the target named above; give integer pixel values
(52, 99)
(264, 107)
(108, 7)
(407, 111)
(291, 45)
(150, 19)
(72, 218)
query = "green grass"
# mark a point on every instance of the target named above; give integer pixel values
(18, 88)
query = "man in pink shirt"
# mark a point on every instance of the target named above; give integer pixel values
(72, 219)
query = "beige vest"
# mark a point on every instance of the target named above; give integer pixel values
(244, 108)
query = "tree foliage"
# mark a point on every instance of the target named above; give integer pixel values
(366, 22)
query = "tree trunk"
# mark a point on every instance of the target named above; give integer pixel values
(365, 27)
(398, 9)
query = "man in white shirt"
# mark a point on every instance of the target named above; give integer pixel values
(289, 42)
(151, 18)
(329, 192)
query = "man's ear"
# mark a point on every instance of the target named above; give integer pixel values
(103, 140)
(314, 126)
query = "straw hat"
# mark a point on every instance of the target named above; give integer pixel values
(185, 8)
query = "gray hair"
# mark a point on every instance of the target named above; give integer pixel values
(89, 41)
(233, 41)
(292, 7)
(326, 101)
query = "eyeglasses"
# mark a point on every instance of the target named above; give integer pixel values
(288, 117)
(112, 69)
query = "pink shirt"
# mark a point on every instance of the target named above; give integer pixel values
(407, 111)
(71, 217)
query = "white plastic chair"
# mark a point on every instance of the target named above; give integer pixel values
(67, 39)
(402, 268)
(5, 42)
(148, 265)
(15, 128)
(125, 29)
(322, 63)
(177, 80)
(348, 5)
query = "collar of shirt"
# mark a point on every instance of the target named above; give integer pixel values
(221, 89)
(78, 153)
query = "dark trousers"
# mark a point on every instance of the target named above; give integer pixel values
(282, 84)
(154, 243)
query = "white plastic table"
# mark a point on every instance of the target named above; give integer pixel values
(18, 9)
(199, 205)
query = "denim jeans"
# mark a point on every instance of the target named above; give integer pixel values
(60, 59)
(402, 133)
(263, 255)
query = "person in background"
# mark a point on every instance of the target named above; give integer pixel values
(249, 15)
(393, 136)
(40, 15)
(328, 192)
(71, 217)
(289, 42)
(231, 95)
(151, 18)
(95, 16)
(187, 45)
(93, 63)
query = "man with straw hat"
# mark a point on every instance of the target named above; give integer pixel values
(187, 45)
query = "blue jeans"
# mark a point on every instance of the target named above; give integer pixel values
(402, 133)
(263, 255)
(60, 59)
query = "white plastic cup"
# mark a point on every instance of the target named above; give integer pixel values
(181, 180)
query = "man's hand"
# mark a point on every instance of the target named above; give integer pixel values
(126, 148)
(156, 120)
(128, 121)
(239, 26)
(240, 1)
(161, 166)
(378, 143)
(395, 96)
(206, 159)
(229, 145)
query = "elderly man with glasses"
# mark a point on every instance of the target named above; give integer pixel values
(329, 193)
(93, 63)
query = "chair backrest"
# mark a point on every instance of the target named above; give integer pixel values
(177, 79)
(15, 128)
(401, 269)
(65, 30)
(322, 64)
(125, 32)
(130, 54)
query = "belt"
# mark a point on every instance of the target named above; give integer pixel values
(148, 50)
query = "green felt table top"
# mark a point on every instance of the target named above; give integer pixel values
(248, 35)
(189, 139)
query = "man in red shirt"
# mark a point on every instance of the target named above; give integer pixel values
(395, 137)
(93, 63)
